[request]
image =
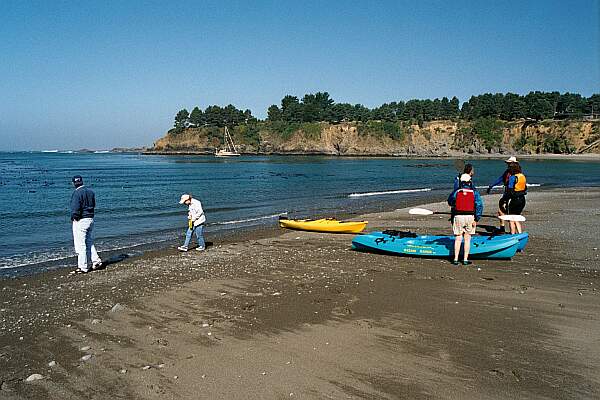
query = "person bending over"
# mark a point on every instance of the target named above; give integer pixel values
(196, 220)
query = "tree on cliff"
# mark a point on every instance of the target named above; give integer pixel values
(274, 113)
(320, 107)
(181, 119)
(291, 109)
(197, 117)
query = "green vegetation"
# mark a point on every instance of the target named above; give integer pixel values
(283, 129)
(213, 116)
(311, 130)
(557, 145)
(247, 134)
(535, 105)
(320, 107)
(489, 130)
(547, 144)
(381, 128)
(480, 118)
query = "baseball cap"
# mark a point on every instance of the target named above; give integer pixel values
(77, 179)
(184, 198)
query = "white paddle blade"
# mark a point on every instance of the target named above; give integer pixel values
(420, 211)
(514, 218)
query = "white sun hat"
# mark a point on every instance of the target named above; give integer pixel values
(511, 159)
(184, 198)
(465, 178)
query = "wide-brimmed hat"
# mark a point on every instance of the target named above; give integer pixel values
(511, 159)
(465, 178)
(184, 197)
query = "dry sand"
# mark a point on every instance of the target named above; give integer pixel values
(300, 315)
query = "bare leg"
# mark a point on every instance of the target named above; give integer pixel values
(467, 245)
(457, 243)
(519, 227)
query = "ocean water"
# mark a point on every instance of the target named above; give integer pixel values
(137, 195)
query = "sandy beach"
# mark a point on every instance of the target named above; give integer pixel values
(289, 314)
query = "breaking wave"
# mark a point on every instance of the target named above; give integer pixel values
(389, 192)
(241, 221)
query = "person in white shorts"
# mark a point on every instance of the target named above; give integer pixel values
(468, 208)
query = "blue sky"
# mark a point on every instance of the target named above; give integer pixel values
(101, 74)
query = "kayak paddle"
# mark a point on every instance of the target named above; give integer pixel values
(424, 211)
(459, 164)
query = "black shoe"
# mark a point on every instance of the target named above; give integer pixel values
(455, 262)
(466, 262)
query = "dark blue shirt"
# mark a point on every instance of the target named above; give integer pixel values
(83, 202)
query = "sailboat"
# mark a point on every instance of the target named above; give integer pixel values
(229, 150)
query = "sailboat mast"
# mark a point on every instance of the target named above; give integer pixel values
(229, 141)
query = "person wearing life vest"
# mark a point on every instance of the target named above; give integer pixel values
(515, 193)
(503, 179)
(468, 169)
(467, 208)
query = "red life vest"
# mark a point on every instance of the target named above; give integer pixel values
(465, 201)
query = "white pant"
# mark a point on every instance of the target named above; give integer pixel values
(83, 238)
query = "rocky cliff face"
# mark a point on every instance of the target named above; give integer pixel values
(436, 138)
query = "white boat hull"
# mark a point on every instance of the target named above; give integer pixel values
(226, 154)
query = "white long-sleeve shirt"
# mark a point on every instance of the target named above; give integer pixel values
(196, 213)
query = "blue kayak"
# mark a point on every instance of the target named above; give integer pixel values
(410, 244)
(523, 239)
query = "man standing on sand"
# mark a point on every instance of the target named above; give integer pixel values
(83, 202)
(196, 220)
(468, 208)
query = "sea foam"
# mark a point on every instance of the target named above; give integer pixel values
(389, 192)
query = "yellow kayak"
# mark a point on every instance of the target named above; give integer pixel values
(323, 225)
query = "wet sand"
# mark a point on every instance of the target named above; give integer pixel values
(300, 315)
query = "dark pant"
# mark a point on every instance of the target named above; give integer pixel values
(516, 205)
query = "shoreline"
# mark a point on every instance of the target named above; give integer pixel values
(494, 156)
(168, 247)
(220, 236)
(266, 317)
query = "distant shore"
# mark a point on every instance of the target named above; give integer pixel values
(464, 156)
(289, 312)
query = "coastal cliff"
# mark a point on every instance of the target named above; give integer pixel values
(376, 138)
